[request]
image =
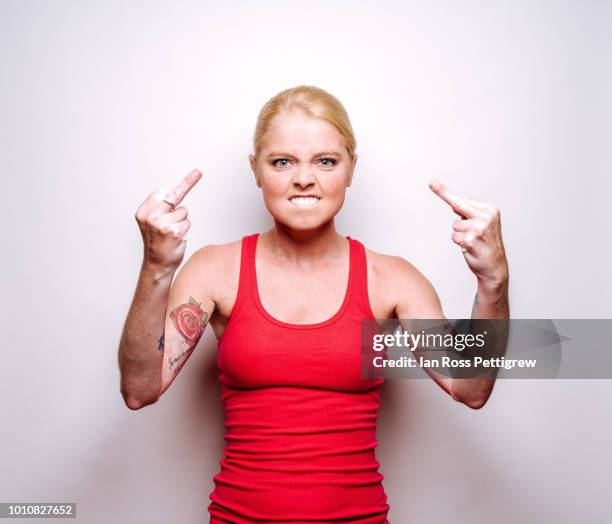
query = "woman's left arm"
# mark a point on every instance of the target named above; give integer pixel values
(478, 232)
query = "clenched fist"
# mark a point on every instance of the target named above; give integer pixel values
(163, 225)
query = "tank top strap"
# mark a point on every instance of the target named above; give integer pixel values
(244, 297)
(360, 280)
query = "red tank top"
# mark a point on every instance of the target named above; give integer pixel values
(300, 421)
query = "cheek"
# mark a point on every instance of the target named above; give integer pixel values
(335, 185)
(275, 194)
(273, 185)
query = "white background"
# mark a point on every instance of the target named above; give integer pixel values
(103, 102)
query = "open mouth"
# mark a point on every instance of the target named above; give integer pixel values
(304, 201)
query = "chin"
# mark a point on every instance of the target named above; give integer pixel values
(303, 223)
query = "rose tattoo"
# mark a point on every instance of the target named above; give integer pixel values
(189, 320)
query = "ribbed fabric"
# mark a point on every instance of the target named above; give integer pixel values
(300, 421)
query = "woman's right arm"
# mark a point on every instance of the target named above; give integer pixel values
(162, 327)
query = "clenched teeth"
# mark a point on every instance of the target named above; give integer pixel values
(304, 201)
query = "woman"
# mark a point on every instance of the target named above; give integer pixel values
(286, 306)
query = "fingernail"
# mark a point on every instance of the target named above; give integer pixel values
(434, 184)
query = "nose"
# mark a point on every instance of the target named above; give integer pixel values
(303, 176)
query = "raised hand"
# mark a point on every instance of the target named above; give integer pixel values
(163, 225)
(478, 232)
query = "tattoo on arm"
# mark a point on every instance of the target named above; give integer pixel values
(189, 320)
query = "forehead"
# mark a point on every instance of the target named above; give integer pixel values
(295, 130)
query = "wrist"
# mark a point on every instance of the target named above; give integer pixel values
(496, 280)
(156, 273)
(493, 289)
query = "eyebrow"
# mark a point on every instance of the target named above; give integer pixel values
(289, 155)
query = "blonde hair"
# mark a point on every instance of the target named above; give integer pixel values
(313, 101)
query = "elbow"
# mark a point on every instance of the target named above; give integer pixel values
(472, 397)
(134, 402)
(475, 403)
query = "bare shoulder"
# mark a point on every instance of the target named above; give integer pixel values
(392, 267)
(217, 266)
(398, 285)
(387, 272)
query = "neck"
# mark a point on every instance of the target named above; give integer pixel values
(323, 243)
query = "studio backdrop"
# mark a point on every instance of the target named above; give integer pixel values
(103, 102)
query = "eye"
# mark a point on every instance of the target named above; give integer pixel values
(328, 162)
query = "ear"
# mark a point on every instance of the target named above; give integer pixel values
(350, 179)
(253, 162)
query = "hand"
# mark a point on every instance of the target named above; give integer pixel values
(478, 232)
(163, 225)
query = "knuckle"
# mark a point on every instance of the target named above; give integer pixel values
(157, 195)
(479, 229)
(179, 231)
(165, 229)
(152, 221)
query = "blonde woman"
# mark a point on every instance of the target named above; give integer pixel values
(286, 306)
